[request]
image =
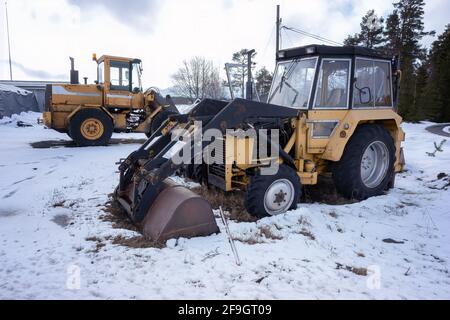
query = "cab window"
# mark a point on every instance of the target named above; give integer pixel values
(136, 78)
(372, 85)
(333, 84)
(120, 75)
(101, 73)
(292, 83)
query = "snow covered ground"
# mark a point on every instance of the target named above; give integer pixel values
(53, 244)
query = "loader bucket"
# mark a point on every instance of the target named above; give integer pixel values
(177, 212)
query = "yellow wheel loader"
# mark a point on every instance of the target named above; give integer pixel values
(90, 113)
(330, 111)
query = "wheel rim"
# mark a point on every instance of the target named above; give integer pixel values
(92, 129)
(374, 164)
(279, 197)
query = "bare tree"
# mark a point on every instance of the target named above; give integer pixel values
(198, 79)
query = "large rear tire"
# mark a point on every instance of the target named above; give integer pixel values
(269, 195)
(91, 127)
(367, 165)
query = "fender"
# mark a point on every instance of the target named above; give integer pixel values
(347, 126)
(70, 116)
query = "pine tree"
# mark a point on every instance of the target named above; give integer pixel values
(392, 34)
(352, 40)
(419, 110)
(372, 28)
(263, 81)
(404, 30)
(437, 93)
(371, 34)
(239, 75)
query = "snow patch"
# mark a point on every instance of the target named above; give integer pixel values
(9, 88)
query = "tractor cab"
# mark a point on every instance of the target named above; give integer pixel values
(318, 77)
(121, 79)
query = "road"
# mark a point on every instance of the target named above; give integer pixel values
(440, 129)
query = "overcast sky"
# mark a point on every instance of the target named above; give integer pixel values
(163, 33)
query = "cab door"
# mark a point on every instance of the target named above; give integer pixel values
(118, 94)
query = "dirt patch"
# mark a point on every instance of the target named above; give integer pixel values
(115, 214)
(389, 240)
(324, 192)
(232, 202)
(442, 175)
(48, 144)
(5, 214)
(137, 242)
(59, 204)
(62, 220)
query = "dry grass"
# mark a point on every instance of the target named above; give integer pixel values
(115, 214)
(233, 202)
(99, 243)
(324, 192)
(252, 240)
(137, 242)
(358, 271)
(263, 233)
(59, 204)
(305, 232)
(333, 214)
(268, 234)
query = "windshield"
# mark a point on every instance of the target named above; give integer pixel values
(293, 82)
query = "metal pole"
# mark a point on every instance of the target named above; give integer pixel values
(277, 45)
(249, 93)
(9, 44)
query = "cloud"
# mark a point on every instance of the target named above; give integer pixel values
(33, 73)
(138, 13)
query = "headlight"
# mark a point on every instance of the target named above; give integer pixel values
(323, 128)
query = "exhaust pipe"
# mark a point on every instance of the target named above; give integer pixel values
(74, 78)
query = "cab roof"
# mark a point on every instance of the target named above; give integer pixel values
(116, 58)
(323, 50)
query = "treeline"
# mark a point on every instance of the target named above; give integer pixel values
(425, 85)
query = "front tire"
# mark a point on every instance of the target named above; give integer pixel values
(91, 127)
(367, 165)
(274, 194)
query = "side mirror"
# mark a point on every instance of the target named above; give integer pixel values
(136, 90)
(365, 95)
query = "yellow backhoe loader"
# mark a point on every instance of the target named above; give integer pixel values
(330, 111)
(89, 113)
